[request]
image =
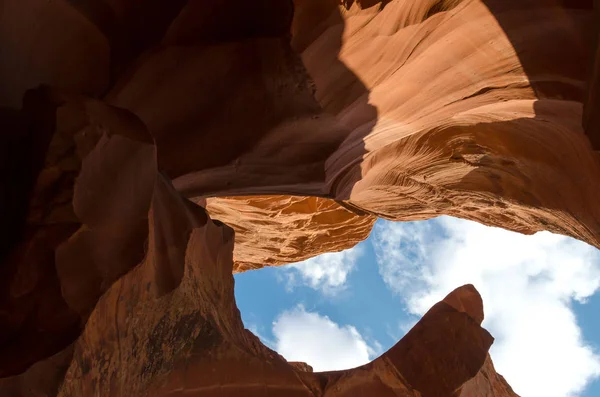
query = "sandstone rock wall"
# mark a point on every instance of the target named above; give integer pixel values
(297, 124)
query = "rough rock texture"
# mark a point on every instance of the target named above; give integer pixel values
(140, 341)
(297, 123)
(323, 223)
(192, 342)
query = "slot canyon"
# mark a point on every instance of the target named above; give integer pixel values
(151, 150)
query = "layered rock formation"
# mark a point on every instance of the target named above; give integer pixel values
(297, 124)
(437, 124)
(295, 227)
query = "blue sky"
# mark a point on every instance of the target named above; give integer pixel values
(340, 310)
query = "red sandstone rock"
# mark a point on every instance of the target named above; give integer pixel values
(297, 126)
(142, 340)
(591, 118)
(323, 223)
(435, 124)
(301, 366)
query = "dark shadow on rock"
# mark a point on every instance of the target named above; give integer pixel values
(24, 141)
(574, 40)
(317, 35)
(35, 321)
(40, 322)
(366, 3)
(591, 111)
(558, 62)
(266, 132)
(137, 27)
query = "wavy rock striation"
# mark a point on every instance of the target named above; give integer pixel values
(295, 123)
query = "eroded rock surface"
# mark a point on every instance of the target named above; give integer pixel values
(191, 341)
(485, 129)
(170, 324)
(296, 224)
(296, 124)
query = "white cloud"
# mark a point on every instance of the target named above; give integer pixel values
(326, 272)
(527, 284)
(320, 342)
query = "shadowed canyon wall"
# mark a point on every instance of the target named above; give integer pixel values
(438, 124)
(138, 139)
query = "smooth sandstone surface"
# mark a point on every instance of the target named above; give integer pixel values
(174, 143)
